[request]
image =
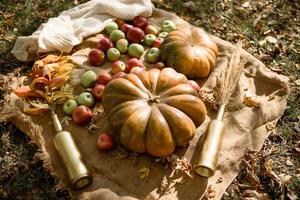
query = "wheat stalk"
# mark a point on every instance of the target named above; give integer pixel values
(228, 80)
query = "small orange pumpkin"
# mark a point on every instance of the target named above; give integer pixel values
(154, 111)
(190, 51)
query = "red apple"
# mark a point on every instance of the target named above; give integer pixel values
(135, 35)
(105, 142)
(150, 29)
(118, 66)
(118, 75)
(136, 70)
(97, 91)
(140, 22)
(81, 115)
(104, 44)
(125, 27)
(103, 78)
(157, 43)
(159, 65)
(96, 57)
(194, 85)
(133, 62)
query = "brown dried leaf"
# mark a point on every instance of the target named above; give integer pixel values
(268, 167)
(210, 192)
(251, 101)
(270, 126)
(254, 195)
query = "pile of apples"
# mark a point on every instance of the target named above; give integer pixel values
(121, 38)
(128, 38)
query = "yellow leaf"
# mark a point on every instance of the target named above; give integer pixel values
(144, 172)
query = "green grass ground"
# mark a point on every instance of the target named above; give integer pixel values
(270, 31)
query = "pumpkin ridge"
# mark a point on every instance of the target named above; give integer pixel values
(169, 78)
(116, 99)
(134, 125)
(158, 128)
(115, 114)
(181, 124)
(194, 107)
(134, 79)
(178, 89)
(124, 86)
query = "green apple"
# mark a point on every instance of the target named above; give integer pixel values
(113, 54)
(149, 39)
(110, 27)
(163, 34)
(122, 45)
(116, 35)
(153, 55)
(135, 50)
(69, 106)
(88, 78)
(86, 99)
(168, 26)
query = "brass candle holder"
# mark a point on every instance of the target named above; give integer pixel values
(68, 151)
(211, 146)
(212, 140)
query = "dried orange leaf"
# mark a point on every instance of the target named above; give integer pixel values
(268, 166)
(251, 101)
(26, 91)
(57, 82)
(51, 59)
(35, 111)
(210, 192)
(41, 80)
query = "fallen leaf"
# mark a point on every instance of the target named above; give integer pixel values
(220, 180)
(292, 195)
(289, 162)
(284, 178)
(246, 4)
(268, 167)
(254, 195)
(144, 172)
(262, 42)
(210, 192)
(271, 97)
(297, 82)
(297, 147)
(66, 120)
(251, 101)
(271, 39)
(270, 126)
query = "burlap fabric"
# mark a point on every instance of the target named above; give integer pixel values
(119, 178)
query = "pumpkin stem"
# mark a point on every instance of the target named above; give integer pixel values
(154, 99)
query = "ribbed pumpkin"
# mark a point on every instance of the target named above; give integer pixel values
(154, 111)
(190, 51)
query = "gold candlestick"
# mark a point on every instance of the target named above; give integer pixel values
(70, 155)
(212, 140)
(211, 146)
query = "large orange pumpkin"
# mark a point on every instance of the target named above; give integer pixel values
(190, 51)
(154, 111)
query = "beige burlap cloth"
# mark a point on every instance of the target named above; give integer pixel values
(119, 178)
